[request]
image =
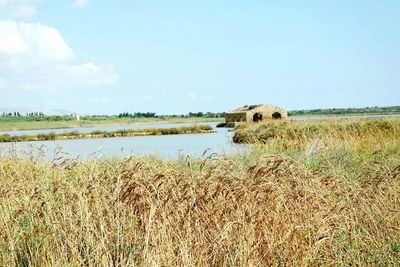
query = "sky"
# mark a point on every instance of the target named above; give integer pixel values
(175, 57)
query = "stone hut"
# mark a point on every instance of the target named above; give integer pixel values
(254, 114)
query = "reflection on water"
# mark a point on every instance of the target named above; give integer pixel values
(165, 147)
(104, 128)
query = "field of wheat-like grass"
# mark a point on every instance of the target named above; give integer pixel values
(324, 194)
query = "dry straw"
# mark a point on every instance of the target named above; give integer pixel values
(276, 205)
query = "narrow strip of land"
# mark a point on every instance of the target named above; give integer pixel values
(108, 134)
(59, 122)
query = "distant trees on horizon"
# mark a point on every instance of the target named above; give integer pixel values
(344, 111)
(154, 115)
(332, 111)
(11, 114)
(137, 115)
(17, 114)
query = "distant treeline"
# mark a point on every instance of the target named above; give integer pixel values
(198, 115)
(17, 114)
(39, 116)
(34, 116)
(137, 115)
(189, 115)
(346, 111)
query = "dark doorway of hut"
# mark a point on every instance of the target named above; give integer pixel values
(257, 117)
(276, 116)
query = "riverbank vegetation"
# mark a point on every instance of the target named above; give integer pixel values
(298, 132)
(318, 196)
(108, 134)
(38, 120)
(346, 111)
(57, 122)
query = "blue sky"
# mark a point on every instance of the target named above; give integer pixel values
(105, 57)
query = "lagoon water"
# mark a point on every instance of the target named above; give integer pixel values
(165, 147)
(106, 128)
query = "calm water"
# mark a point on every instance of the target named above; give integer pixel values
(105, 128)
(166, 147)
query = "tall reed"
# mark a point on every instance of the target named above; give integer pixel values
(325, 202)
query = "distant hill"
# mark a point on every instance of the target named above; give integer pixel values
(23, 111)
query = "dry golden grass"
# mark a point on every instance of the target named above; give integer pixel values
(325, 201)
(303, 131)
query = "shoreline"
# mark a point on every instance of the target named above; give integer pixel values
(197, 129)
(346, 115)
(93, 124)
(52, 125)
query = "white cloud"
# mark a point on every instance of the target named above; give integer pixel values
(80, 3)
(34, 40)
(24, 11)
(17, 9)
(90, 73)
(34, 56)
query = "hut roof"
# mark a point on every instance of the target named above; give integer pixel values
(252, 107)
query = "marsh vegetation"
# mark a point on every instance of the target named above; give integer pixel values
(308, 194)
(107, 134)
(16, 121)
